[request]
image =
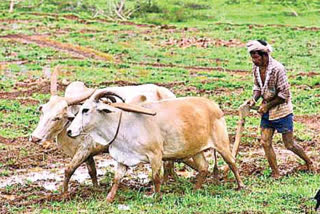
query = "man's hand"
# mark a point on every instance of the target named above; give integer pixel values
(251, 102)
(264, 108)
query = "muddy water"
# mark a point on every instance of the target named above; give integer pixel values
(52, 178)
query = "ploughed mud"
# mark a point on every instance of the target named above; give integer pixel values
(74, 50)
(80, 52)
(311, 121)
(195, 68)
(34, 173)
(251, 26)
(253, 162)
(308, 74)
(202, 42)
(164, 27)
(22, 91)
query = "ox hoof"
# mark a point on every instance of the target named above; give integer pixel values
(216, 181)
(276, 176)
(167, 177)
(65, 196)
(157, 196)
(197, 187)
(62, 189)
(110, 199)
(241, 187)
(310, 168)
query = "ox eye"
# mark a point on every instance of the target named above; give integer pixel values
(40, 108)
(56, 119)
(85, 110)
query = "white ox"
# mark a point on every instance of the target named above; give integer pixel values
(182, 128)
(55, 116)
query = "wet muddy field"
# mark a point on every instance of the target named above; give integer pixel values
(33, 173)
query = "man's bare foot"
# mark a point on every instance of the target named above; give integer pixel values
(310, 167)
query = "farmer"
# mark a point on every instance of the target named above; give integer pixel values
(270, 83)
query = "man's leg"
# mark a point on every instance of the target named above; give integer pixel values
(266, 140)
(295, 148)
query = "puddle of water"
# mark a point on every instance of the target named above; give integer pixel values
(51, 179)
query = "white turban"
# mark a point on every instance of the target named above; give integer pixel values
(255, 45)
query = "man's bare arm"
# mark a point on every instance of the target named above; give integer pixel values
(264, 108)
(276, 101)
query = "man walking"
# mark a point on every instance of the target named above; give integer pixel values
(270, 83)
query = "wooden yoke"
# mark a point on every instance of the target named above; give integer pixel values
(132, 108)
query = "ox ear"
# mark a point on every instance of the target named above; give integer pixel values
(106, 108)
(138, 99)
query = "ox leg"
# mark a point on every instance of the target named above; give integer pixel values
(202, 165)
(189, 162)
(92, 170)
(194, 166)
(229, 159)
(215, 168)
(156, 163)
(120, 172)
(77, 160)
(168, 168)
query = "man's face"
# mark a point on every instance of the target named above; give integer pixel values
(257, 59)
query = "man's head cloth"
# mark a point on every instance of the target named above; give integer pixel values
(259, 45)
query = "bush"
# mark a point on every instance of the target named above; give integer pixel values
(145, 8)
(148, 7)
(196, 6)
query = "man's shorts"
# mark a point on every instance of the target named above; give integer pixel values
(282, 125)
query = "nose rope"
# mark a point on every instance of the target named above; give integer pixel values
(117, 131)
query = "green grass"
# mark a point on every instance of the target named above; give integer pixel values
(17, 120)
(262, 195)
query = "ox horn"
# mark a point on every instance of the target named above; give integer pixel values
(82, 97)
(53, 81)
(107, 94)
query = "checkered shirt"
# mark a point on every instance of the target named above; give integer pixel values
(276, 83)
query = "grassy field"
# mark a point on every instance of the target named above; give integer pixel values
(194, 48)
